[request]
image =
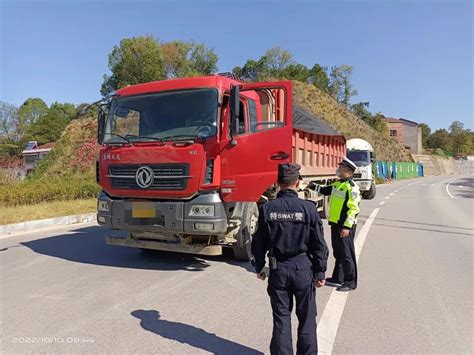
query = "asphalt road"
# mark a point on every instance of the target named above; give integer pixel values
(66, 291)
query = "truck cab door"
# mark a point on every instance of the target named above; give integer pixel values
(260, 139)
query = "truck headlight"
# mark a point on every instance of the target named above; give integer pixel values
(103, 206)
(202, 211)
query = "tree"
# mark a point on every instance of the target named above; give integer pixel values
(318, 76)
(278, 59)
(295, 72)
(425, 134)
(51, 125)
(340, 85)
(183, 59)
(253, 70)
(378, 123)
(360, 109)
(460, 138)
(176, 61)
(30, 112)
(276, 63)
(136, 60)
(8, 119)
(440, 139)
(203, 60)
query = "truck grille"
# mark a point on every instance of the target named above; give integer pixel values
(166, 176)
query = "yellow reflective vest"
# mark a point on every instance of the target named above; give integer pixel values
(343, 202)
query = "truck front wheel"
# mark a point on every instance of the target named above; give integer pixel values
(242, 249)
(369, 195)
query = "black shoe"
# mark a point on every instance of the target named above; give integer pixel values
(345, 288)
(332, 282)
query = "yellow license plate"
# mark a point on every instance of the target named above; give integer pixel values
(143, 210)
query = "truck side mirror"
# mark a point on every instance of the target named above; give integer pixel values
(234, 109)
(372, 156)
(100, 126)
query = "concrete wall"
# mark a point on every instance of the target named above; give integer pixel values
(412, 138)
(434, 165)
(464, 167)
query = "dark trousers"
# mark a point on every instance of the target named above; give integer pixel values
(345, 267)
(293, 279)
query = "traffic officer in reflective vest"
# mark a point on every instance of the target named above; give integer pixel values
(290, 230)
(343, 210)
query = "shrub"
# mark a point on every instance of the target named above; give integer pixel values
(44, 190)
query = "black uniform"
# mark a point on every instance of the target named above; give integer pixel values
(291, 228)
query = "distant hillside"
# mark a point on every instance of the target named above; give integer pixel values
(344, 121)
(73, 153)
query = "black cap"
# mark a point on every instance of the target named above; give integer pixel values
(289, 170)
(348, 163)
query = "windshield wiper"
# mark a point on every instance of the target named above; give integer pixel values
(118, 135)
(147, 137)
(188, 136)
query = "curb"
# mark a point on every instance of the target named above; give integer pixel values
(7, 229)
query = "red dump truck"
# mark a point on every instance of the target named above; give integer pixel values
(185, 163)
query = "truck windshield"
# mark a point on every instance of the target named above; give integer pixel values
(161, 116)
(359, 157)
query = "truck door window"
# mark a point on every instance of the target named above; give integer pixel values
(242, 115)
(272, 110)
(253, 121)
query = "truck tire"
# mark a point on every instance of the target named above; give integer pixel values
(369, 195)
(242, 249)
(324, 213)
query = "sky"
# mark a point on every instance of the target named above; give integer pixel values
(413, 58)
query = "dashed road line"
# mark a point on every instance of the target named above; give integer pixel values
(387, 197)
(331, 317)
(392, 194)
(382, 203)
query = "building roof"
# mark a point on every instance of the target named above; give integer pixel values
(408, 122)
(392, 120)
(400, 120)
(47, 145)
(35, 149)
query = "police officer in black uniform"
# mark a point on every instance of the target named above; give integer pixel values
(290, 230)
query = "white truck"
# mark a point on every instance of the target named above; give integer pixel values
(363, 155)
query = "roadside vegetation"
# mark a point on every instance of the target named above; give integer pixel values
(44, 210)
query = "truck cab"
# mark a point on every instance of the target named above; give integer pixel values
(184, 163)
(362, 154)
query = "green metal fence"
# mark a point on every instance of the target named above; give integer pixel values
(386, 170)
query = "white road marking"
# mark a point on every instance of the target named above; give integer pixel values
(424, 196)
(433, 184)
(331, 317)
(382, 203)
(447, 189)
(392, 194)
(387, 197)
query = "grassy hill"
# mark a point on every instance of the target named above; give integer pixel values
(73, 153)
(340, 118)
(67, 172)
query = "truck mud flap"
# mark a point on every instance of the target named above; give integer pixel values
(212, 250)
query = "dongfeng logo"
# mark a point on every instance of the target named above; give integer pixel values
(144, 177)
